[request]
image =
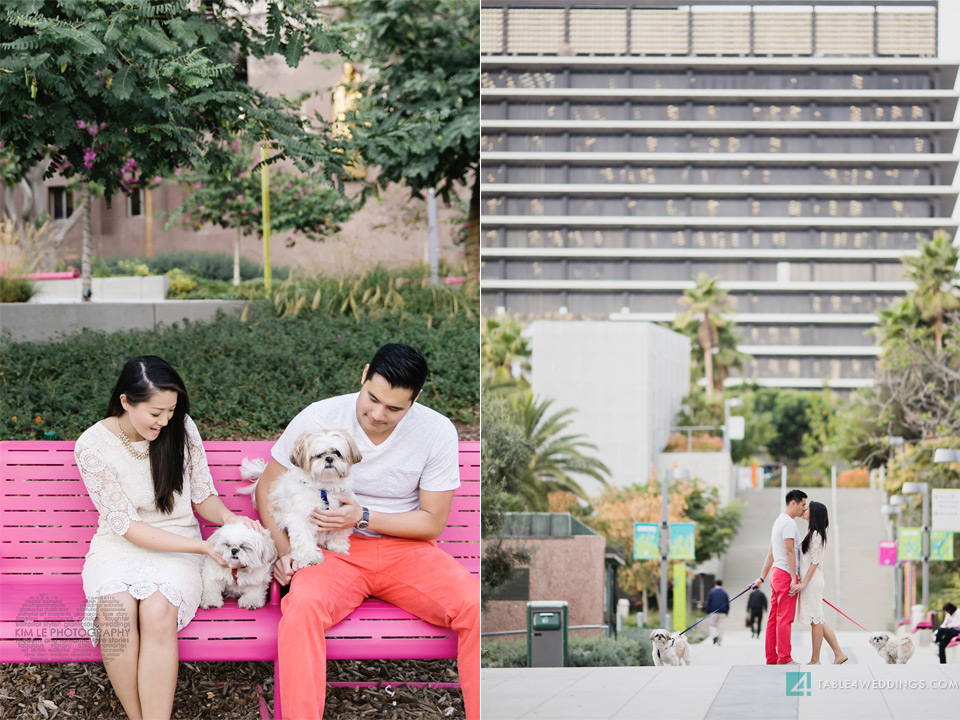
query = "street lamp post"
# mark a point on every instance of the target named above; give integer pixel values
(911, 488)
(893, 513)
(669, 474)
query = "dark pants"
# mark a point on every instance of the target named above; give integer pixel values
(756, 622)
(943, 637)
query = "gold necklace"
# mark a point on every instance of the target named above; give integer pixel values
(138, 454)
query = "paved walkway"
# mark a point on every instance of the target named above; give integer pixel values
(732, 682)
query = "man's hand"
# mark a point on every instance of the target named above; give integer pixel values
(344, 517)
(795, 588)
(284, 569)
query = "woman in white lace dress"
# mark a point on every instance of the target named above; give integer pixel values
(810, 607)
(146, 471)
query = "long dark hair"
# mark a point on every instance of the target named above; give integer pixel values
(141, 379)
(819, 522)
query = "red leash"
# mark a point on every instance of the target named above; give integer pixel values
(846, 616)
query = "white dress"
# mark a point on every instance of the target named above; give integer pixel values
(810, 607)
(121, 487)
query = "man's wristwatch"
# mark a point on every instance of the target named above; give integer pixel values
(364, 521)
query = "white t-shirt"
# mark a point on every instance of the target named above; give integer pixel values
(422, 452)
(784, 528)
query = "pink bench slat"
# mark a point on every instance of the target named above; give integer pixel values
(47, 520)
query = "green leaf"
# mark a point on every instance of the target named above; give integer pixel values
(124, 82)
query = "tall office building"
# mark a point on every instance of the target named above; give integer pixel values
(797, 151)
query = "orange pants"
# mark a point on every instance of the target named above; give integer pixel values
(414, 575)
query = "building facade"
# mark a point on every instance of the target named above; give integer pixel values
(797, 151)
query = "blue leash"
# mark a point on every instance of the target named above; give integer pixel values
(749, 587)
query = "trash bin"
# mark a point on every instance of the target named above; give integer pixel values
(547, 633)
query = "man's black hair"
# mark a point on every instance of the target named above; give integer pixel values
(402, 366)
(718, 582)
(795, 496)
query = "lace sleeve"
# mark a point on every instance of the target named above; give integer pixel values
(108, 496)
(816, 548)
(201, 482)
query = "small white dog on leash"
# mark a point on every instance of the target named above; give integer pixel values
(896, 651)
(249, 556)
(319, 478)
(669, 650)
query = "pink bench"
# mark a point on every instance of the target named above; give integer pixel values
(47, 520)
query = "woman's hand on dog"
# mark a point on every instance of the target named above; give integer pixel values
(284, 569)
(342, 518)
(244, 520)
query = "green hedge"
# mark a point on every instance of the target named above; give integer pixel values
(626, 650)
(206, 265)
(245, 379)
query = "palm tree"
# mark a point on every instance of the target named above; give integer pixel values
(501, 347)
(556, 457)
(935, 272)
(707, 303)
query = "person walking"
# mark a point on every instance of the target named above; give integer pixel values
(782, 561)
(810, 589)
(718, 603)
(757, 605)
(949, 629)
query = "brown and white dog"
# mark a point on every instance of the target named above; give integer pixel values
(669, 650)
(320, 476)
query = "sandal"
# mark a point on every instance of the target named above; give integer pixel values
(841, 661)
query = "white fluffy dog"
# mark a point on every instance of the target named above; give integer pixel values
(319, 478)
(250, 557)
(669, 650)
(896, 651)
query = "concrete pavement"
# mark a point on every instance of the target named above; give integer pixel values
(732, 681)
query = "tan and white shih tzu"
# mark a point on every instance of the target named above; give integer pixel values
(669, 650)
(320, 476)
(249, 556)
(896, 651)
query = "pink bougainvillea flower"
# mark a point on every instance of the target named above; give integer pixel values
(239, 198)
(199, 186)
(81, 124)
(178, 172)
(288, 185)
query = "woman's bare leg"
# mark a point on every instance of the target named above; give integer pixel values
(816, 632)
(159, 656)
(834, 645)
(120, 648)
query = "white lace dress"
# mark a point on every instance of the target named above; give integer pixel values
(810, 607)
(121, 487)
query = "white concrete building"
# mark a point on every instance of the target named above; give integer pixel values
(626, 381)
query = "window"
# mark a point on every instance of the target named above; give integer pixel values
(61, 202)
(135, 204)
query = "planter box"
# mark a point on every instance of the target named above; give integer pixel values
(152, 287)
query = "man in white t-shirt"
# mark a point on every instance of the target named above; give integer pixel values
(404, 486)
(784, 559)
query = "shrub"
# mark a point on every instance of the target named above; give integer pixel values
(14, 290)
(206, 265)
(246, 379)
(629, 649)
(180, 282)
(855, 478)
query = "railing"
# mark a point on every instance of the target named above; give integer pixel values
(819, 28)
(689, 430)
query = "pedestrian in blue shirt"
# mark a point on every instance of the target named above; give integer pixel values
(717, 599)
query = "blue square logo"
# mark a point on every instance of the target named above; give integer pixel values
(799, 684)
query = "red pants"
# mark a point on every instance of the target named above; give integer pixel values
(783, 609)
(414, 575)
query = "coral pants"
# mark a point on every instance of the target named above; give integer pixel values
(783, 609)
(414, 575)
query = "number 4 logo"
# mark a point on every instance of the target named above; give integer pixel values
(799, 684)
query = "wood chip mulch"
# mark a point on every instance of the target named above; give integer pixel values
(228, 691)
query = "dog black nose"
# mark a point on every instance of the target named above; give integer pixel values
(328, 460)
(234, 551)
